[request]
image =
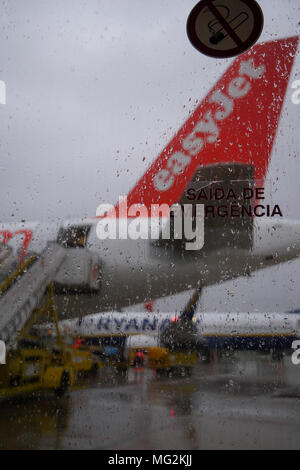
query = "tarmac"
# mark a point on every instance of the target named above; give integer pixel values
(241, 401)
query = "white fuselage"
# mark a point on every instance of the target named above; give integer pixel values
(242, 330)
(134, 271)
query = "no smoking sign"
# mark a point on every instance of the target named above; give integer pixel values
(224, 28)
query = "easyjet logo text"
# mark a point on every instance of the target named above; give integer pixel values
(206, 130)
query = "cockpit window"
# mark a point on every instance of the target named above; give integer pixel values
(73, 236)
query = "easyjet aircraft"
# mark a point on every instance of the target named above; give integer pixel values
(225, 144)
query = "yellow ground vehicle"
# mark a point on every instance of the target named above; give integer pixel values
(164, 360)
(84, 361)
(108, 349)
(30, 370)
(161, 359)
(32, 367)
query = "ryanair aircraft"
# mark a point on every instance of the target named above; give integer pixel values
(274, 332)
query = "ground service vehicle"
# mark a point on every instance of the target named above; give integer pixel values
(166, 361)
(83, 360)
(32, 367)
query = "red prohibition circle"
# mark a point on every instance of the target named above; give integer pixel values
(242, 45)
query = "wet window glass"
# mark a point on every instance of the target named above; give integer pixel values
(149, 224)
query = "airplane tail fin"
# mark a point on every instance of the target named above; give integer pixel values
(235, 123)
(191, 307)
(181, 335)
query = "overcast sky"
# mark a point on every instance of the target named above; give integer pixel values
(96, 88)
